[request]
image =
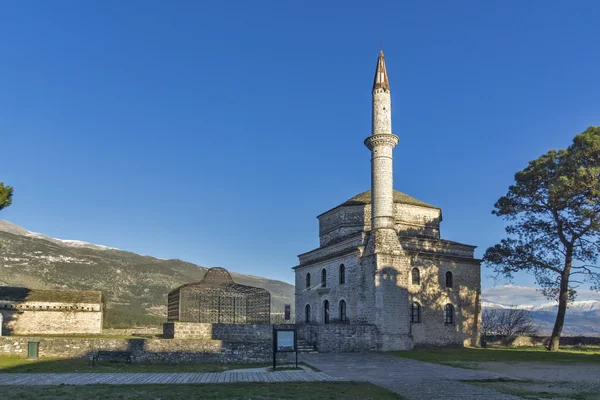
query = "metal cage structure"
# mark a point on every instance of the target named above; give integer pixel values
(218, 299)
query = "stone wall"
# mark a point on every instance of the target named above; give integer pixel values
(54, 320)
(340, 338)
(146, 350)
(538, 341)
(194, 330)
(432, 295)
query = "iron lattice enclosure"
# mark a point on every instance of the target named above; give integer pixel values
(218, 299)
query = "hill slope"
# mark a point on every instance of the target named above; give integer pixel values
(132, 283)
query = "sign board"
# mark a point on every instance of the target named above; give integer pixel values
(288, 312)
(284, 341)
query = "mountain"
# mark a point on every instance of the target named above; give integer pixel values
(135, 286)
(582, 318)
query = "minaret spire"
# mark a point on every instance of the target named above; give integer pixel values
(381, 77)
(381, 143)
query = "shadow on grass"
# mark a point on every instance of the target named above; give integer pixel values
(16, 364)
(266, 391)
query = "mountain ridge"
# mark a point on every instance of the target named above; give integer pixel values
(132, 283)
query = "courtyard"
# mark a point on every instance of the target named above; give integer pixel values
(499, 373)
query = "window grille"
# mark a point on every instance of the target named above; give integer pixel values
(343, 317)
(415, 312)
(449, 279)
(342, 274)
(449, 314)
(324, 278)
(416, 276)
(307, 313)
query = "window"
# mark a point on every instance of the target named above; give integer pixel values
(415, 312)
(343, 311)
(326, 311)
(307, 313)
(324, 278)
(342, 274)
(308, 280)
(449, 279)
(449, 314)
(416, 276)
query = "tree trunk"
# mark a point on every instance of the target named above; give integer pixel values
(563, 298)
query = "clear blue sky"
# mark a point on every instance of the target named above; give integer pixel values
(215, 132)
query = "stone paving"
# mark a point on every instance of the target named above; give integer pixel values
(409, 378)
(161, 378)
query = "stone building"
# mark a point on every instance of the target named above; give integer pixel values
(53, 312)
(382, 278)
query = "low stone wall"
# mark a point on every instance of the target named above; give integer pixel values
(340, 338)
(146, 350)
(535, 341)
(195, 330)
(140, 331)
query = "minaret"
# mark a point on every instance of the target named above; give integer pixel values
(381, 143)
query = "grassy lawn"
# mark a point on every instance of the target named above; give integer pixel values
(454, 356)
(19, 364)
(528, 389)
(262, 391)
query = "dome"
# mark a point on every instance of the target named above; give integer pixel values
(399, 197)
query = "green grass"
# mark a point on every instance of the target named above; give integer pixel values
(528, 389)
(16, 364)
(457, 356)
(262, 391)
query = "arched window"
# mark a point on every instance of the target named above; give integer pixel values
(342, 274)
(416, 276)
(324, 278)
(449, 314)
(415, 312)
(343, 311)
(449, 280)
(308, 280)
(307, 313)
(326, 311)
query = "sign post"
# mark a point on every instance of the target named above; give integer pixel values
(285, 340)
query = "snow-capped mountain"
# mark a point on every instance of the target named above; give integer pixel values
(8, 227)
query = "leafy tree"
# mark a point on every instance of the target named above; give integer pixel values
(6, 193)
(553, 231)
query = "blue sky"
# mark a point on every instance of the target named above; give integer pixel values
(215, 132)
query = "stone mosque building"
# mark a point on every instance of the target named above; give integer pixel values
(382, 278)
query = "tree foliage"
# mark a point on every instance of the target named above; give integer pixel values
(6, 193)
(553, 231)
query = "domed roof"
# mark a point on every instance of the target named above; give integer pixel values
(399, 197)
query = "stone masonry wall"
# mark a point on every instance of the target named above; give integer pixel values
(146, 350)
(51, 322)
(193, 330)
(432, 294)
(340, 338)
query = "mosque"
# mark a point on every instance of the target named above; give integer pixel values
(382, 278)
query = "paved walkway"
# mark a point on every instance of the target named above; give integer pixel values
(409, 378)
(160, 378)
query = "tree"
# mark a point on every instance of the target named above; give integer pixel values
(553, 231)
(6, 193)
(507, 322)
